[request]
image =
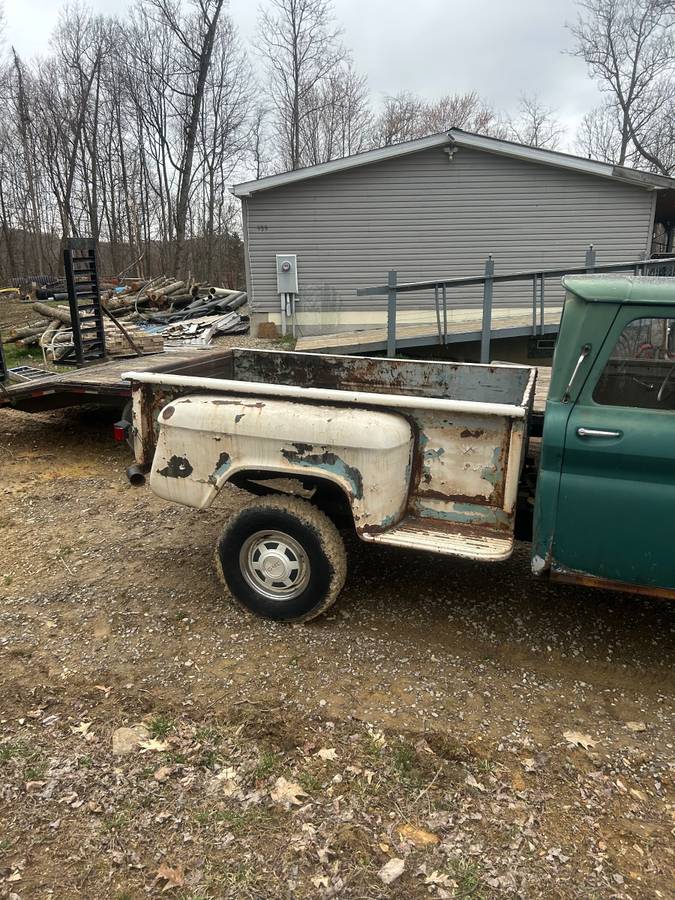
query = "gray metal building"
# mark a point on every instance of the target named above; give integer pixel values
(433, 208)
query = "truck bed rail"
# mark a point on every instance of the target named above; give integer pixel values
(331, 395)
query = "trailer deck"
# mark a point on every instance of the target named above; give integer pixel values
(103, 383)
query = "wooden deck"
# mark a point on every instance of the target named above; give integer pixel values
(99, 383)
(465, 326)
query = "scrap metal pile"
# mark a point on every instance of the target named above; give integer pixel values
(140, 317)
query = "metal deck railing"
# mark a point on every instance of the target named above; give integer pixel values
(535, 279)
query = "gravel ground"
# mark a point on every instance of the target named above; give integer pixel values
(448, 730)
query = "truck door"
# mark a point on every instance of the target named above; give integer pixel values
(616, 508)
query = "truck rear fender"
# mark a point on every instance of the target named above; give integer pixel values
(206, 441)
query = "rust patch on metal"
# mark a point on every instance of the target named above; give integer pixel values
(468, 433)
(476, 500)
(177, 467)
(258, 405)
(569, 576)
(168, 412)
(373, 529)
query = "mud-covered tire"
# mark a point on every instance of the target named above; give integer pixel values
(293, 540)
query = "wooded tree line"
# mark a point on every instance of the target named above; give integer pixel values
(131, 130)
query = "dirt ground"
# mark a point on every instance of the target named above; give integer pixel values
(448, 730)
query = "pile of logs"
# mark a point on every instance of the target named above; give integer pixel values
(157, 304)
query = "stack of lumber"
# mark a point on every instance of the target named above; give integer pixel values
(117, 344)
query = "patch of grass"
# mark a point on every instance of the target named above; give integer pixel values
(116, 821)
(176, 759)
(286, 342)
(160, 726)
(34, 772)
(372, 746)
(487, 765)
(209, 758)
(210, 735)
(33, 763)
(310, 782)
(404, 760)
(267, 765)
(469, 881)
(203, 816)
(7, 579)
(235, 820)
(238, 819)
(7, 752)
(22, 356)
(246, 875)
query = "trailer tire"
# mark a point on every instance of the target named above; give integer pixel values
(286, 538)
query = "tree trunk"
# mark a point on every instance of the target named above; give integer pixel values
(191, 139)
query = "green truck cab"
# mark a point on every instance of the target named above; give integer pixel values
(605, 499)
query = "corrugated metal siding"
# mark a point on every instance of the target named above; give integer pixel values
(429, 217)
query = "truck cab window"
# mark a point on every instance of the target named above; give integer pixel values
(640, 371)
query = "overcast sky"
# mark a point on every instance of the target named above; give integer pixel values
(500, 48)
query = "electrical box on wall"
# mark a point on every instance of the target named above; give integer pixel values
(287, 273)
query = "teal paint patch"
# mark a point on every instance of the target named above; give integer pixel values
(329, 462)
(223, 464)
(388, 521)
(467, 514)
(494, 472)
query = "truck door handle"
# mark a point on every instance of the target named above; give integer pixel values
(597, 432)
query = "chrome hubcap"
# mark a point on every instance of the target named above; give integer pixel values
(275, 565)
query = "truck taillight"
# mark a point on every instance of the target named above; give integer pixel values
(120, 430)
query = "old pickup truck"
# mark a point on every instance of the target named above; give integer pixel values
(433, 456)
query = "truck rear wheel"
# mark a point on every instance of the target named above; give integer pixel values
(282, 559)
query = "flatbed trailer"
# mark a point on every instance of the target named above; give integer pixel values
(103, 383)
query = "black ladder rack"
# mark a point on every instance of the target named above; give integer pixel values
(79, 258)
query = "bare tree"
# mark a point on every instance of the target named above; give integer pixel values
(301, 47)
(27, 138)
(258, 142)
(535, 125)
(629, 48)
(599, 135)
(399, 120)
(406, 116)
(129, 131)
(194, 37)
(338, 117)
(466, 111)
